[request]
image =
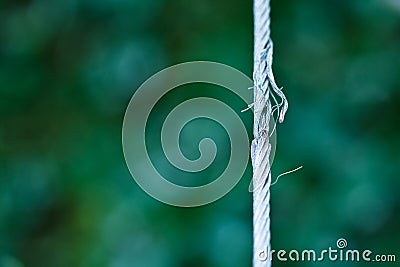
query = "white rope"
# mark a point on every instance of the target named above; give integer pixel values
(264, 87)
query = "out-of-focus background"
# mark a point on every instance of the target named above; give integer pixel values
(68, 69)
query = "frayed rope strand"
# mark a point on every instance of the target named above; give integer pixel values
(264, 108)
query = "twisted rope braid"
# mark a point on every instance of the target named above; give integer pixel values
(265, 90)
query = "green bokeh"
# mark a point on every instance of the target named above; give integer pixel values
(68, 69)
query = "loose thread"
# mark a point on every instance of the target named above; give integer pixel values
(285, 173)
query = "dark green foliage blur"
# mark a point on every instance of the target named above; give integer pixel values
(68, 69)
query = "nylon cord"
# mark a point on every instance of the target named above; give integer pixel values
(264, 87)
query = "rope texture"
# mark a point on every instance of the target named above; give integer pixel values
(265, 104)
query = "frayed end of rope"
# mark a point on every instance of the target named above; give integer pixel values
(264, 80)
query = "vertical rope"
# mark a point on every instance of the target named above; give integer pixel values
(264, 88)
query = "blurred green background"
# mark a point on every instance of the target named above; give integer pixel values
(68, 69)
